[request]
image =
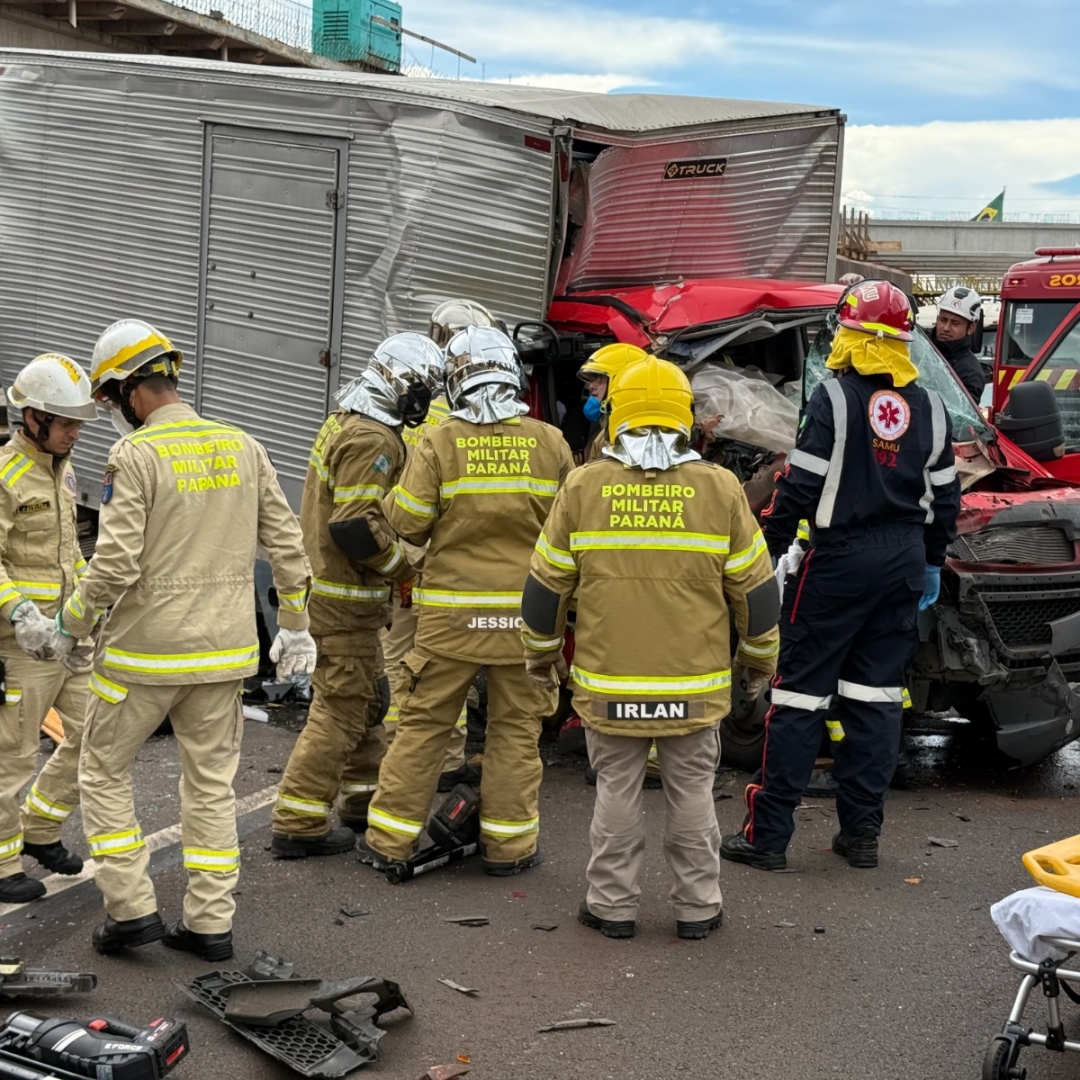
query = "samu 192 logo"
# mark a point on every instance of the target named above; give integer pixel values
(698, 168)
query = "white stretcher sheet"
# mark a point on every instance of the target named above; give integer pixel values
(1028, 917)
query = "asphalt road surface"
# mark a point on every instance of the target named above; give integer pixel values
(909, 977)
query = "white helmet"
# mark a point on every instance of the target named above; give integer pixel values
(962, 301)
(452, 316)
(398, 383)
(477, 356)
(55, 385)
(128, 347)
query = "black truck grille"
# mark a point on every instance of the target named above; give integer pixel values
(1040, 545)
(1023, 623)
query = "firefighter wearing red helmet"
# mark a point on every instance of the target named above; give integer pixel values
(873, 472)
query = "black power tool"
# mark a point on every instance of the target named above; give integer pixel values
(455, 834)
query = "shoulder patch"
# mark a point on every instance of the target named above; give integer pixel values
(107, 486)
(69, 482)
(890, 414)
(382, 463)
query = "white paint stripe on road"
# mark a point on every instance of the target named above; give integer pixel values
(163, 838)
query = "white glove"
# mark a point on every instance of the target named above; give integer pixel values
(788, 564)
(33, 631)
(294, 652)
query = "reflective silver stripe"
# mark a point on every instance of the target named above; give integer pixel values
(627, 684)
(350, 787)
(937, 446)
(380, 820)
(115, 843)
(307, 807)
(770, 648)
(943, 476)
(350, 592)
(396, 559)
(38, 804)
(444, 598)
(873, 694)
(212, 860)
(827, 503)
(810, 462)
(800, 701)
(180, 663)
(509, 828)
(540, 644)
(13, 845)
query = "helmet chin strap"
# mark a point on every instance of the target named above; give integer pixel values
(127, 388)
(42, 436)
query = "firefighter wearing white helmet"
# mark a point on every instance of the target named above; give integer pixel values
(40, 562)
(478, 487)
(356, 561)
(959, 310)
(184, 505)
(450, 317)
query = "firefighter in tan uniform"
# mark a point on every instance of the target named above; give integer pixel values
(355, 556)
(479, 486)
(596, 373)
(655, 540)
(184, 504)
(447, 319)
(40, 562)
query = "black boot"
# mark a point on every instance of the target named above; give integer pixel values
(204, 946)
(612, 928)
(55, 857)
(860, 851)
(467, 774)
(335, 842)
(358, 824)
(113, 936)
(369, 856)
(509, 869)
(737, 848)
(20, 889)
(698, 931)
(822, 785)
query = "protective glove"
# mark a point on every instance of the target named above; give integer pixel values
(405, 589)
(549, 669)
(756, 681)
(61, 643)
(294, 653)
(79, 658)
(33, 631)
(931, 587)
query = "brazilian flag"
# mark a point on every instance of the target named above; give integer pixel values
(994, 210)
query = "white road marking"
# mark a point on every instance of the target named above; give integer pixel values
(163, 838)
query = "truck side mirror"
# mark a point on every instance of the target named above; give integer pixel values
(1032, 420)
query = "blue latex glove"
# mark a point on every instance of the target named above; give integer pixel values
(774, 561)
(592, 409)
(931, 587)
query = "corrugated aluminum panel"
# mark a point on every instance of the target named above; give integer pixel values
(770, 214)
(101, 200)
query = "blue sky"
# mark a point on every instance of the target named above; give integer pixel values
(947, 100)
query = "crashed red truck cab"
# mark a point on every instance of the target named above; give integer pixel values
(1003, 642)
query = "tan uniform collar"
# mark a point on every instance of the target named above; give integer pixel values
(170, 413)
(40, 457)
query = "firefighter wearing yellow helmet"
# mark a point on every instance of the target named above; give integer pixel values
(40, 562)
(652, 539)
(596, 373)
(184, 504)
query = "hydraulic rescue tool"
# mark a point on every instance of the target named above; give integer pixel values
(18, 980)
(455, 834)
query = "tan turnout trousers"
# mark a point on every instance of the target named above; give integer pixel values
(435, 692)
(32, 688)
(208, 722)
(691, 833)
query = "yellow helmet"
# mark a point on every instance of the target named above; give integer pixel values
(131, 346)
(650, 393)
(608, 360)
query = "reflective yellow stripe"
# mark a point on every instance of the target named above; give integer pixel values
(708, 543)
(54, 811)
(9, 592)
(340, 591)
(359, 493)
(540, 644)
(500, 485)
(836, 730)
(196, 429)
(180, 663)
(906, 698)
(560, 559)
(115, 843)
(771, 648)
(80, 568)
(107, 690)
(443, 598)
(391, 716)
(296, 601)
(354, 787)
(746, 558)
(74, 606)
(12, 696)
(316, 463)
(395, 557)
(38, 590)
(803, 531)
(307, 807)
(13, 845)
(654, 754)
(211, 860)
(412, 504)
(643, 684)
(1065, 378)
(380, 819)
(509, 828)
(19, 466)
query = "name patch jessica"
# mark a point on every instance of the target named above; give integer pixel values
(648, 710)
(494, 622)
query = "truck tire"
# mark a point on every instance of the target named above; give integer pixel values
(742, 731)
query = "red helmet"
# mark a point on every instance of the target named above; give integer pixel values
(877, 307)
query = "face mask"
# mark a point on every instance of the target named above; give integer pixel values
(116, 418)
(592, 409)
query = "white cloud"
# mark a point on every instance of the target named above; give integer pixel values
(592, 84)
(959, 167)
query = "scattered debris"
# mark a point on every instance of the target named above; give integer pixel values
(584, 1022)
(913, 880)
(339, 922)
(470, 990)
(549, 926)
(275, 691)
(783, 924)
(517, 894)
(962, 817)
(17, 980)
(720, 795)
(258, 715)
(273, 768)
(467, 920)
(352, 912)
(940, 841)
(446, 1072)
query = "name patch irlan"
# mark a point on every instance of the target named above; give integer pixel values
(648, 710)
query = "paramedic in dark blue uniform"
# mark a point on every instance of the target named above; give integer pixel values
(873, 472)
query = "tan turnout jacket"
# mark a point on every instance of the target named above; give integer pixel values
(659, 559)
(184, 504)
(480, 492)
(40, 558)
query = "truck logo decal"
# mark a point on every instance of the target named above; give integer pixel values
(691, 170)
(890, 414)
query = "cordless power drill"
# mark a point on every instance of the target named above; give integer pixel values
(33, 1046)
(455, 834)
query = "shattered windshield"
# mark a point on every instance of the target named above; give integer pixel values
(934, 374)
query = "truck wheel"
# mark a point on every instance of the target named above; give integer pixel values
(742, 731)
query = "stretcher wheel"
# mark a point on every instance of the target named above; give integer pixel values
(999, 1063)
